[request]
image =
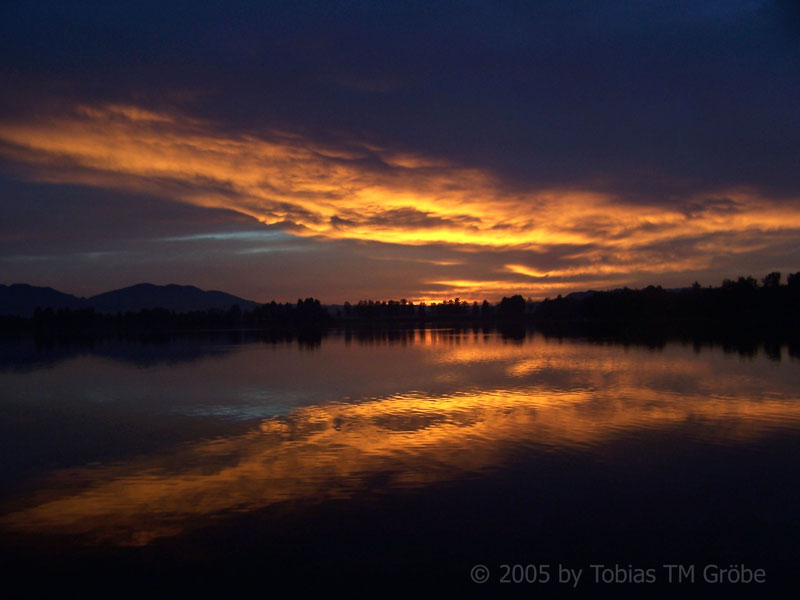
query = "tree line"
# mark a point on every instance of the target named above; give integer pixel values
(736, 303)
(448, 310)
(740, 303)
(308, 313)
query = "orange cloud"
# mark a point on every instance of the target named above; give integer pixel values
(363, 192)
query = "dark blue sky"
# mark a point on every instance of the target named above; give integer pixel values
(610, 143)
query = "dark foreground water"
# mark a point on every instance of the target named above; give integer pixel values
(417, 459)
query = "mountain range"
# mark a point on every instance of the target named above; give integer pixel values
(22, 299)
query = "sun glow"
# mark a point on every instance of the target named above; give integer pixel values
(367, 193)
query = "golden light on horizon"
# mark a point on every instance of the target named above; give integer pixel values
(332, 193)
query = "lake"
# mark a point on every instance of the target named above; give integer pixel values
(427, 457)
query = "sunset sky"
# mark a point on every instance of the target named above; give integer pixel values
(353, 150)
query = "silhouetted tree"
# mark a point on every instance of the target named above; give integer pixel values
(511, 308)
(771, 281)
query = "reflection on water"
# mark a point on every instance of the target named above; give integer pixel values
(289, 424)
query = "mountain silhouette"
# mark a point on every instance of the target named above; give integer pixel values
(22, 299)
(180, 298)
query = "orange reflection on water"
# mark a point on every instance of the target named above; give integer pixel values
(412, 439)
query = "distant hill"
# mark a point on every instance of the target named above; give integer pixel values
(22, 299)
(180, 298)
(580, 295)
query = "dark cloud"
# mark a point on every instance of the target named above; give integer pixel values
(408, 217)
(43, 217)
(713, 205)
(646, 99)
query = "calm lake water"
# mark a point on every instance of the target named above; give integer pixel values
(399, 458)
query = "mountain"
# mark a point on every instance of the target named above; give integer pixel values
(580, 295)
(180, 298)
(22, 299)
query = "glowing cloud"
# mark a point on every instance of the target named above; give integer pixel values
(362, 192)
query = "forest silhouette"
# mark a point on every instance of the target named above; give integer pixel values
(745, 306)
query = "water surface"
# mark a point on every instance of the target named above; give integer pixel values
(409, 456)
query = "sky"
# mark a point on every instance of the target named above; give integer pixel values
(376, 150)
